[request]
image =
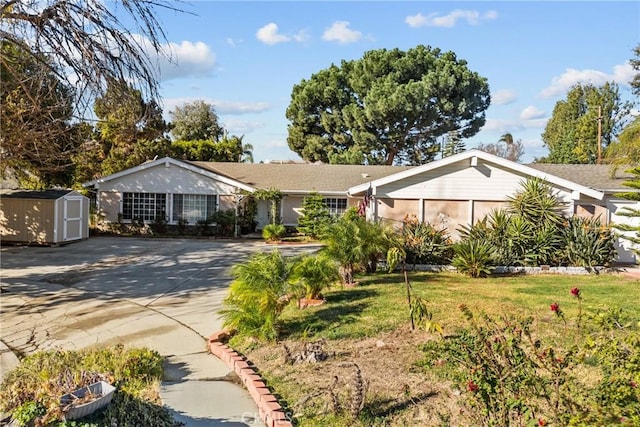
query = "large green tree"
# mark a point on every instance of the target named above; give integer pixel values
(635, 63)
(131, 130)
(571, 135)
(390, 105)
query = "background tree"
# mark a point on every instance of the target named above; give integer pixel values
(625, 150)
(44, 45)
(633, 183)
(389, 105)
(195, 120)
(452, 144)
(36, 136)
(511, 150)
(315, 216)
(132, 131)
(571, 135)
(635, 63)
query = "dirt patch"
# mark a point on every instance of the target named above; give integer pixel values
(397, 390)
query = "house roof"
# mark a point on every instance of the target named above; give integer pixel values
(301, 177)
(473, 155)
(34, 194)
(598, 177)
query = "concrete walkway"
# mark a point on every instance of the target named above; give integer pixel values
(159, 293)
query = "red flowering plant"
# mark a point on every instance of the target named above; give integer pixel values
(555, 307)
(576, 293)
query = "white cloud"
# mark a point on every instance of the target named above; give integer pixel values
(560, 85)
(302, 36)
(473, 17)
(531, 113)
(235, 126)
(177, 60)
(503, 97)
(236, 107)
(340, 32)
(269, 35)
(513, 126)
(233, 42)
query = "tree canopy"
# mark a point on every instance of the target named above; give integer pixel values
(390, 105)
(571, 134)
(195, 120)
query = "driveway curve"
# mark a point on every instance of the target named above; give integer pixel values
(164, 294)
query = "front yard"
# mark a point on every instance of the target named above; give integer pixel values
(378, 371)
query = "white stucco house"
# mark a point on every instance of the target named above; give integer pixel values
(454, 191)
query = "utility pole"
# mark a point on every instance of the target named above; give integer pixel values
(599, 134)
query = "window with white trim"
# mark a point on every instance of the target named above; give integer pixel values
(336, 206)
(193, 207)
(145, 206)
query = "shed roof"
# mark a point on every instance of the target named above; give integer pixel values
(598, 177)
(34, 194)
(300, 177)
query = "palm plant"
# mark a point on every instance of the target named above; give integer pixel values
(259, 292)
(473, 257)
(314, 273)
(344, 242)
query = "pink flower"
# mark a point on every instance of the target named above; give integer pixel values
(555, 307)
(575, 292)
(472, 387)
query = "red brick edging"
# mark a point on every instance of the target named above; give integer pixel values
(271, 413)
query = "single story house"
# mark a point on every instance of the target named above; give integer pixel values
(456, 190)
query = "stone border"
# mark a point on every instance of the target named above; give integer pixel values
(500, 269)
(271, 412)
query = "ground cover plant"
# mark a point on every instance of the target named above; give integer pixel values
(569, 343)
(31, 392)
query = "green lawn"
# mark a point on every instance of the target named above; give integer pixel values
(379, 302)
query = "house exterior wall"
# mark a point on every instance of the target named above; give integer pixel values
(482, 208)
(166, 179)
(449, 214)
(395, 210)
(291, 209)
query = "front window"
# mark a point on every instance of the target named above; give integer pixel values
(145, 206)
(336, 207)
(193, 207)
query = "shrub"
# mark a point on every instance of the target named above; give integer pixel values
(587, 243)
(259, 292)
(424, 244)
(273, 232)
(159, 225)
(473, 258)
(315, 216)
(313, 274)
(225, 222)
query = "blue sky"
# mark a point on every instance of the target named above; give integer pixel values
(244, 57)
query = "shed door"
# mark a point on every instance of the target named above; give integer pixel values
(72, 218)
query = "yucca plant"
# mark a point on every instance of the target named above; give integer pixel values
(537, 204)
(260, 290)
(424, 244)
(473, 258)
(588, 243)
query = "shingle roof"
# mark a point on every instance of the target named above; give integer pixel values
(306, 177)
(33, 194)
(597, 177)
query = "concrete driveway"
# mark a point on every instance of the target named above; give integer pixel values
(160, 293)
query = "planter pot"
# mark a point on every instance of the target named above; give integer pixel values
(86, 400)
